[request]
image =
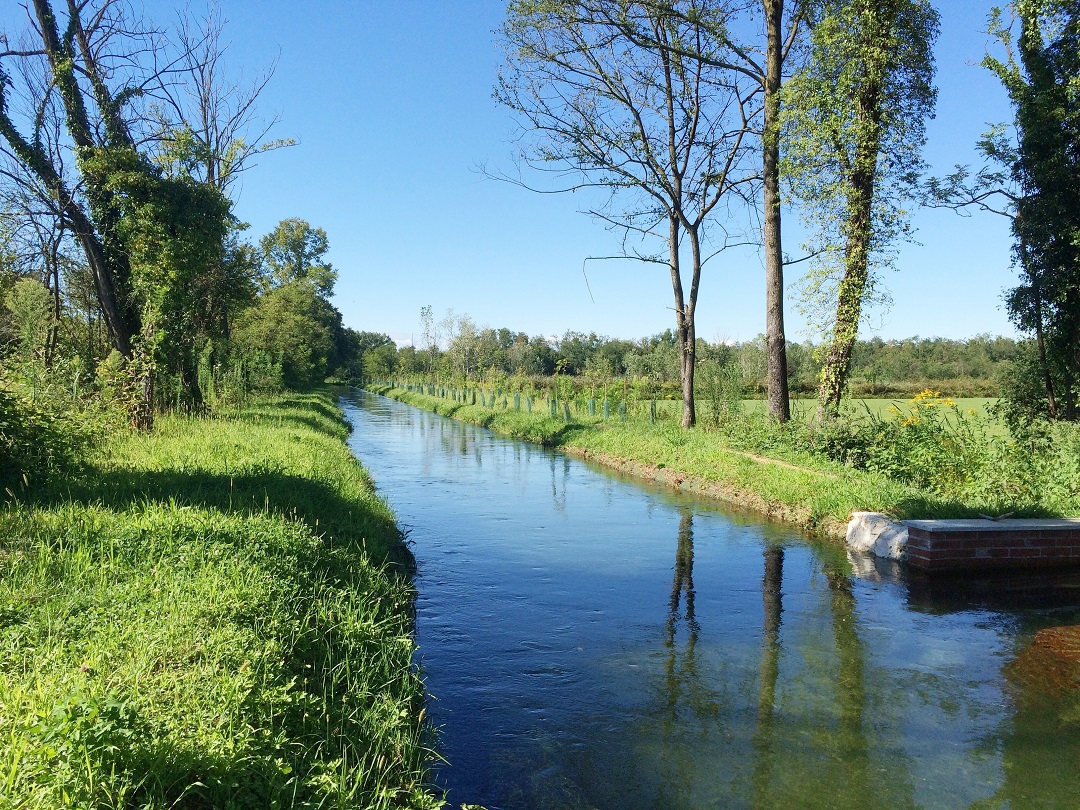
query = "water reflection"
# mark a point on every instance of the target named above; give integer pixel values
(560, 474)
(772, 582)
(853, 746)
(1044, 727)
(681, 666)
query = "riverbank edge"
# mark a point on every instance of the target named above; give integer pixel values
(226, 702)
(798, 515)
(819, 500)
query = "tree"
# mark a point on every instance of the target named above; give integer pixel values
(29, 308)
(463, 344)
(855, 118)
(429, 337)
(294, 251)
(292, 322)
(1041, 73)
(78, 57)
(214, 132)
(760, 58)
(89, 143)
(632, 98)
(771, 77)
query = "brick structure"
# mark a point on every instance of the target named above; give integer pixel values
(963, 545)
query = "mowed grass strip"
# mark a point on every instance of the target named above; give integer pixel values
(214, 615)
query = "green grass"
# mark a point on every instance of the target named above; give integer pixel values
(214, 615)
(806, 408)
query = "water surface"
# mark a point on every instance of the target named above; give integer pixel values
(590, 642)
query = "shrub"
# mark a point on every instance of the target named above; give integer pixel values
(46, 425)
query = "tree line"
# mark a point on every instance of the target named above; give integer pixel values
(457, 350)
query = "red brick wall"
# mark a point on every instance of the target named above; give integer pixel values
(994, 546)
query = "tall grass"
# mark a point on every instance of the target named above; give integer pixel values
(216, 615)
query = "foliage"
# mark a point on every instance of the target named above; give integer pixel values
(29, 307)
(380, 362)
(1024, 400)
(855, 118)
(963, 368)
(173, 230)
(47, 424)
(722, 391)
(295, 323)
(295, 251)
(932, 444)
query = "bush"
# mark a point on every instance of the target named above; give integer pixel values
(46, 421)
(1023, 393)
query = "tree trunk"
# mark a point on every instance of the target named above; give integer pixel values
(776, 343)
(834, 371)
(684, 323)
(1040, 341)
(52, 265)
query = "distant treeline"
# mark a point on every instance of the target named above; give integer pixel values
(462, 351)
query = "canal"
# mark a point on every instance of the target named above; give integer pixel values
(592, 642)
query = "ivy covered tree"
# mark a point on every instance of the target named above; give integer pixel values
(82, 130)
(854, 125)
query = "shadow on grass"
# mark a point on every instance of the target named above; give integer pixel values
(272, 416)
(317, 505)
(932, 508)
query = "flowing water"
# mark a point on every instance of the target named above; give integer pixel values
(592, 642)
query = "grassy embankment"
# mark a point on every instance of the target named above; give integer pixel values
(214, 615)
(769, 473)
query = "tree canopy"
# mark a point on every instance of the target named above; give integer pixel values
(295, 251)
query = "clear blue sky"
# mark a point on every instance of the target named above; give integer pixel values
(391, 105)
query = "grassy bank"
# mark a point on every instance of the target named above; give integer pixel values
(773, 469)
(214, 615)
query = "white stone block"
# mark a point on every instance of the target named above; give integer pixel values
(875, 533)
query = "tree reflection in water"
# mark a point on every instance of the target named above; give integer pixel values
(772, 601)
(682, 594)
(852, 743)
(688, 695)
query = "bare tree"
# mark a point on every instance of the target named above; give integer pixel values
(212, 128)
(616, 101)
(736, 46)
